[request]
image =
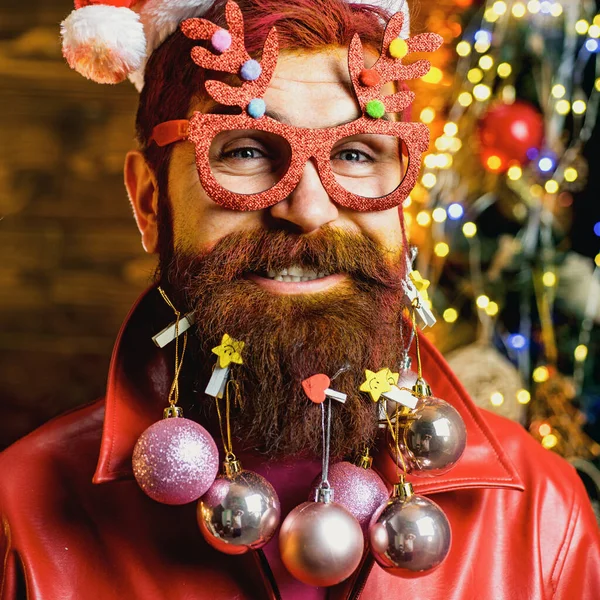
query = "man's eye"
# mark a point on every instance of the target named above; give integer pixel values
(246, 153)
(352, 156)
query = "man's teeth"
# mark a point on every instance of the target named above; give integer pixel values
(296, 274)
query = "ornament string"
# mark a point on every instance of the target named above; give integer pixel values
(415, 306)
(226, 428)
(173, 398)
(326, 436)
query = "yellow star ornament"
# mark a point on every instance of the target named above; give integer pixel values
(230, 351)
(420, 283)
(378, 383)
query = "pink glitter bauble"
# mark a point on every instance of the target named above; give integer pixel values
(175, 461)
(360, 491)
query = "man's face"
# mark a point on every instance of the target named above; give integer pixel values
(228, 267)
(307, 90)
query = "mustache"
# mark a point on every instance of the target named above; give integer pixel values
(329, 250)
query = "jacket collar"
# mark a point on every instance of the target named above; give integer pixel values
(139, 380)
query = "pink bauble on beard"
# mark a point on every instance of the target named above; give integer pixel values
(175, 461)
(360, 491)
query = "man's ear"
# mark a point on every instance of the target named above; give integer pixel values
(143, 194)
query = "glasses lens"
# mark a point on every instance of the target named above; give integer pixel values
(368, 165)
(247, 161)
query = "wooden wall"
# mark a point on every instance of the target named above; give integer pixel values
(71, 262)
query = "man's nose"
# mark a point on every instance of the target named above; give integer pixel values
(308, 207)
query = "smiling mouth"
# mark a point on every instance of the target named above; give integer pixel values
(296, 280)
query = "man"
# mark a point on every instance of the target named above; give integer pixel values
(310, 285)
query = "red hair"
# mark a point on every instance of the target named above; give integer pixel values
(173, 80)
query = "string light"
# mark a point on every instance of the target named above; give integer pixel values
(465, 99)
(482, 301)
(455, 145)
(581, 353)
(483, 41)
(517, 341)
(469, 229)
(486, 62)
(541, 374)
(450, 128)
(556, 9)
(558, 90)
(427, 115)
(441, 249)
(597, 228)
(429, 180)
(551, 186)
(549, 441)
(490, 16)
(594, 31)
(533, 6)
(563, 107)
(514, 173)
(430, 161)
(518, 10)
(492, 309)
(443, 143)
(494, 162)
(508, 94)
(443, 161)
(582, 26)
(435, 75)
(549, 279)
(545, 164)
(482, 92)
(544, 429)
(499, 7)
(450, 315)
(536, 190)
(579, 107)
(597, 259)
(523, 397)
(592, 45)
(570, 174)
(463, 48)
(455, 211)
(423, 218)
(475, 75)
(497, 399)
(504, 70)
(438, 215)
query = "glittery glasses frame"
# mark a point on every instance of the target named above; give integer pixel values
(306, 144)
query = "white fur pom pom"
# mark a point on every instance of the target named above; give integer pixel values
(104, 43)
(392, 6)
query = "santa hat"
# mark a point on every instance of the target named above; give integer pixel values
(108, 41)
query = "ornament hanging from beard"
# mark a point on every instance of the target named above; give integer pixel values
(292, 337)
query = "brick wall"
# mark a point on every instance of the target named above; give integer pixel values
(71, 262)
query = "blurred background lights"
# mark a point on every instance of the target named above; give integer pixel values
(423, 218)
(579, 107)
(581, 353)
(482, 301)
(549, 441)
(597, 228)
(533, 6)
(427, 115)
(518, 10)
(497, 399)
(504, 70)
(563, 107)
(499, 7)
(456, 211)
(494, 162)
(582, 26)
(514, 173)
(558, 90)
(465, 99)
(463, 48)
(439, 214)
(450, 315)
(486, 62)
(492, 309)
(450, 128)
(549, 279)
(551, 186)
(435, 75)
(570, 174)
(523, 397)
(469, 229)
(429, 180)
(541, 374)
(556, 9)
(441, 249)
(482, 92)
(592, 45)
(545, 164)
(475, 75)
(517, 341)
(544, 429)
(594, 31)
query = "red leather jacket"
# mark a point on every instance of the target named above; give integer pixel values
(77, 527)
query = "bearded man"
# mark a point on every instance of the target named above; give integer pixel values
(311, 280)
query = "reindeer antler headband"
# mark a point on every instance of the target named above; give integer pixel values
(228, 55)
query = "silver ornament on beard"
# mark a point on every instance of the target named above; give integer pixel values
(409, 535)
(240, 511)
(432, 437)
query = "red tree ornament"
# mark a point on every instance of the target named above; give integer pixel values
(508, 133)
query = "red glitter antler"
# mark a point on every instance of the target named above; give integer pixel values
(231, 57)
(367, 83)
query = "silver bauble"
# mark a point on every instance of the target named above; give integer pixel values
(432, 438)
(240, 511)
(409, 536)
(321, 543)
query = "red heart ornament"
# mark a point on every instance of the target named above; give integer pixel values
(315, 387)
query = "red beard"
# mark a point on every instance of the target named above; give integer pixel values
(291, 337)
